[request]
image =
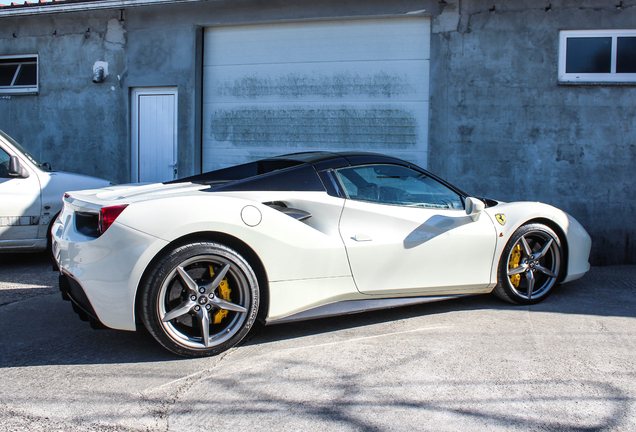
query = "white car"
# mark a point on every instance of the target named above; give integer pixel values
(202, 260)
(31, 197)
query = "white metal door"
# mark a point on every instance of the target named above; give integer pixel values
(154, 134)
(335, 85)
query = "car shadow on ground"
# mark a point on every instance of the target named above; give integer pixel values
(66, 340)
(39, 328)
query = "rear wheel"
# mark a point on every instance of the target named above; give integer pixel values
(530, 265)
(200, 300)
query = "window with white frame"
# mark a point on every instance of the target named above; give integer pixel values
(597, 56)
(19, 74)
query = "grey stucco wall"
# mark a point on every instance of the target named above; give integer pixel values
(72, 123)
(501, 125)
(78, 125)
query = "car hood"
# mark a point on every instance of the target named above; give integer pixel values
(63, 177)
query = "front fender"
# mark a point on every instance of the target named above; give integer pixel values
(519, 213)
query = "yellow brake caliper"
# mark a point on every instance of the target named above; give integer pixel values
(515, 257)
(224, 293)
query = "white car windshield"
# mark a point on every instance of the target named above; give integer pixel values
(22, 150)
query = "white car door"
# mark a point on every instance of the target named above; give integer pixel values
(408, 234)
(20, 202)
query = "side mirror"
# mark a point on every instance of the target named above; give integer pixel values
(474, 207)
(17, 170)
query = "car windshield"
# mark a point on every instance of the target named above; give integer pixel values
(22, 150)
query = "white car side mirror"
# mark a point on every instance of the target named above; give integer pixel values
(17, 170)
(474, 207)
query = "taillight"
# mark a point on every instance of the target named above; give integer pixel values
(107, 216)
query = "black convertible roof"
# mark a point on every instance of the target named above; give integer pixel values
(339, 160)
(306, 171)
(319, 161)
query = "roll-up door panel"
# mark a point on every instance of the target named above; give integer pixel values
(341, 85)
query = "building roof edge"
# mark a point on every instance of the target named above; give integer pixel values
(60, 6)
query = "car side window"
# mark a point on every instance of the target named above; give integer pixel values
(4, 164)
(396, 185)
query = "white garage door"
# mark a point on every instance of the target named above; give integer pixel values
(357, 85)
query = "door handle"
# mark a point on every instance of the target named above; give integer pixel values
(362, 237)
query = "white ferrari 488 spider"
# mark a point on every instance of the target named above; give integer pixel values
(203, 260)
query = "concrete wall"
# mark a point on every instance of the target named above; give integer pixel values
(78, 125)
(72, 123)
(500, 124)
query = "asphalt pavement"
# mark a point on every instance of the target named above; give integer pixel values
(472, 364)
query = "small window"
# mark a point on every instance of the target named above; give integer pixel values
(396, 185)
(19, 74)
(597, 56)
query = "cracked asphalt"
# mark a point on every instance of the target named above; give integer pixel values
(471, 364)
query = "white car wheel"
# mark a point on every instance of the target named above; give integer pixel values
(200, 300)
(530, 265)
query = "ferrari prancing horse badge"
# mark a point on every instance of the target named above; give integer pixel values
(501, 218)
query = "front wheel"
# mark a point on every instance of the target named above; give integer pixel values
(200, 299)
(530, 265)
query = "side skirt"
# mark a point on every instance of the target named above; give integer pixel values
(357, 306)
(23, 245)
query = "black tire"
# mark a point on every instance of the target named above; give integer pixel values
(199, 285)
(530, 265)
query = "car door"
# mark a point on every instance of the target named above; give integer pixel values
(408, 234)
(21, 202)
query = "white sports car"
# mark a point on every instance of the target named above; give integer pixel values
(203, 260)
